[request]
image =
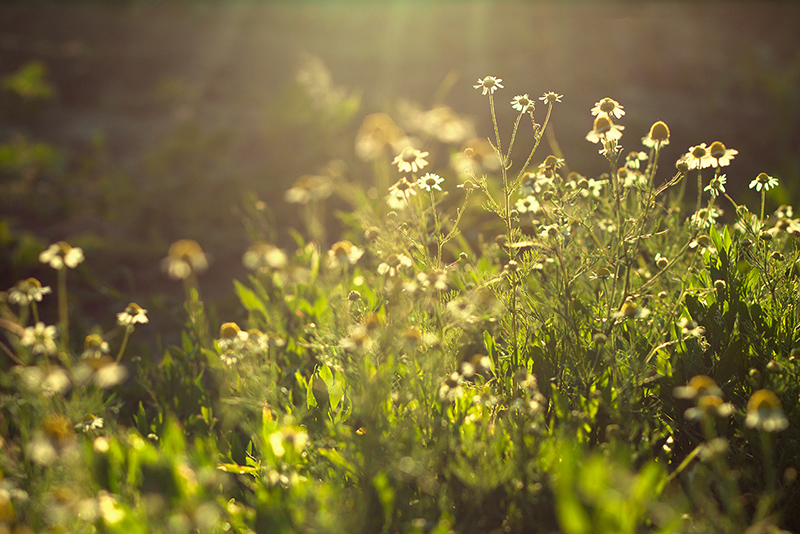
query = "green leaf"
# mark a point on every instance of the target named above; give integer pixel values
(248, 298)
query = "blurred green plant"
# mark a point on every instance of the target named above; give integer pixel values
(489, 346)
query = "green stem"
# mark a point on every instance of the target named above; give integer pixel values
(699, 189)
(128, 330)
(63, 308)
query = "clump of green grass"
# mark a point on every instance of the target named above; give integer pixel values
(491, 346)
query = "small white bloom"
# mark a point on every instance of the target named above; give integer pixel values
(430, 181)
(61, 254)
(523, 103)
(40, 338)
(489, 84)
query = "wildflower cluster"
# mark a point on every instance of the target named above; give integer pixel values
(490, 342)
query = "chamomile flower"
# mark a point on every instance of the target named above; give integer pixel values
(27, 291)
(698, 386)
(698, 157)
(231, 338)
(400, 192)
(430, 181)
(721, 155)
(410, 160)
(132, 314)
(528, 204)
(489, 84)
(764, 182)
(95, 347)
(344, 253)
(716, 186)
(62, 254)
(40, 338)
(551, 97)
(604, 130)
(631, 310)
(184, 258)
(705, 217)
(308, 188)
(394, 263)
(262, 255)
(603, 273)
(377, 132)
(658, 135)
(764, 412)
(90, 422)
(433, 280)
(523, 103)
(633, 160)
(608, 107)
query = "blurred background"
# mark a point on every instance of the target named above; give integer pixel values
(127, 125)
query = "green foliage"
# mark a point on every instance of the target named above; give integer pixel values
(499, 346)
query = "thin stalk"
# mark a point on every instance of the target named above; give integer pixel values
(539, 135)
(63, 308)
(699, 189)
(128, 330)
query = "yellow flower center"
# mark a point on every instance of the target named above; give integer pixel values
(133, 309)
(602, 124)
(763, 400)
(659, 131)
(717, 149)
(608, 105)
(550, 161)
(409, 155)
(341, 248)
(699, 152)
(703, 385)
(229, 330)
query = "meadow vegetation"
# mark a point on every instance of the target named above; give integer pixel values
(489, 342)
